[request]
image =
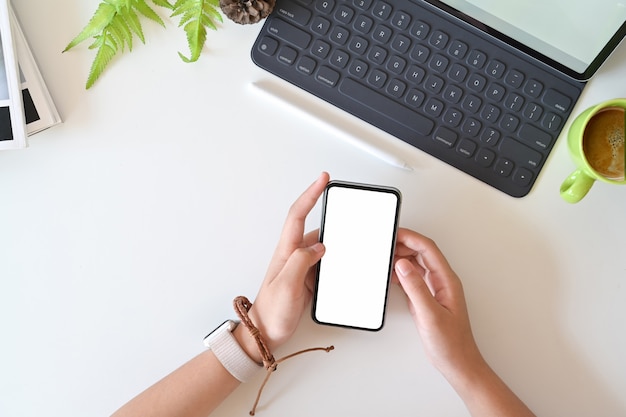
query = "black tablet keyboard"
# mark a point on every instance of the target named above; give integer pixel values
(427, 78)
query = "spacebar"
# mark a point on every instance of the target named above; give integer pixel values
(387, 107)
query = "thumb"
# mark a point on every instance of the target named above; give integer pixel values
(415, 287)
(300, 261)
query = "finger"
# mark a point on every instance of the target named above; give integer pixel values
(413, 284)
(293, 228)
(411, 243)
(311, 238)
(294, 273)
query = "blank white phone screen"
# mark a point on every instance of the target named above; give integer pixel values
(358, 231)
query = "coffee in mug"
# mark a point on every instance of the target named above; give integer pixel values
(596, 144)
(603, 143)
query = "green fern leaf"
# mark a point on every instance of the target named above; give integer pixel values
(163, 3)
(113, 27)
(121, 31)
(147, 11)
(196, 17)
(98, 22)
(132, 20)
(106, 51)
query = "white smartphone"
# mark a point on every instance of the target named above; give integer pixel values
(359, 225)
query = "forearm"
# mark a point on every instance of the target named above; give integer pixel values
(194, 390)
(485, 394)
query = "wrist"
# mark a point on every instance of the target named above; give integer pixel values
(464, 373)
(247, 343)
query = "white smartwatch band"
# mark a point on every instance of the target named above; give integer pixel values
(228, 351)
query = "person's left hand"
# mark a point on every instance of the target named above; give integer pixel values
(288, 285)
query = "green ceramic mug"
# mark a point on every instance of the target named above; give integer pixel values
(603, 122)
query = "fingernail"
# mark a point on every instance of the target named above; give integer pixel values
(318, 247)
(404, 267)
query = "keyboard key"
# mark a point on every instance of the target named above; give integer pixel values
(535, 137)
(514, 78)
(439, 63)
(386, 107)
(377, 78)
(533, 111)
(289, 33)
(472, 103)
(533, 88)
(306, 65)
(522, 177)
(359, 68)
(477, 59)
(434, 108)
(439, 39)
(396, 88)
(466, 148)
(457, 49)
(415, 98)
(320, 25)
(320, 49)
(396, 64)
(490, 136)
(520, 153)
(485, 157)
(453, 117)
(382, 34)
(292, 11)
(344, 14)
(514, 102)
(363, 4)
(377, 55)
(401, 20)
(339, 35)
(509, 122)
(420, 30)
(268, 46)
(339, 59)
(452, 94)
(363, 24)
(446, 137)
(495, 69)
(552, 122)
(287, 55)
(327, 76)
(557, 100)
(358, 45)
(471, 127)
(420, 54)
(433, 84)
(503, 167)
(382, 10)
(401, 43)
(476, 82)
(325, 6)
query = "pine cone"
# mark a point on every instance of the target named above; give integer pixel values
(247, 11)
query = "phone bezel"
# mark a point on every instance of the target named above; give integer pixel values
(365, 187)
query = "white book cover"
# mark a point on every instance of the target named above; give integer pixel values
(39, 110)
(12, 122)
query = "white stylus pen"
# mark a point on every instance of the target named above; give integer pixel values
(319, 113)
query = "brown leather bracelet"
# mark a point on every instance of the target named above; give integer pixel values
(242, 306)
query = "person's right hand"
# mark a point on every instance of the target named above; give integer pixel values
(436, 302)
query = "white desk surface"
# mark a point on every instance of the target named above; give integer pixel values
(126, 231)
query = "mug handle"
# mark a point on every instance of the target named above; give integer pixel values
(576, 186)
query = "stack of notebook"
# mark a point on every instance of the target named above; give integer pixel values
(25, 103)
